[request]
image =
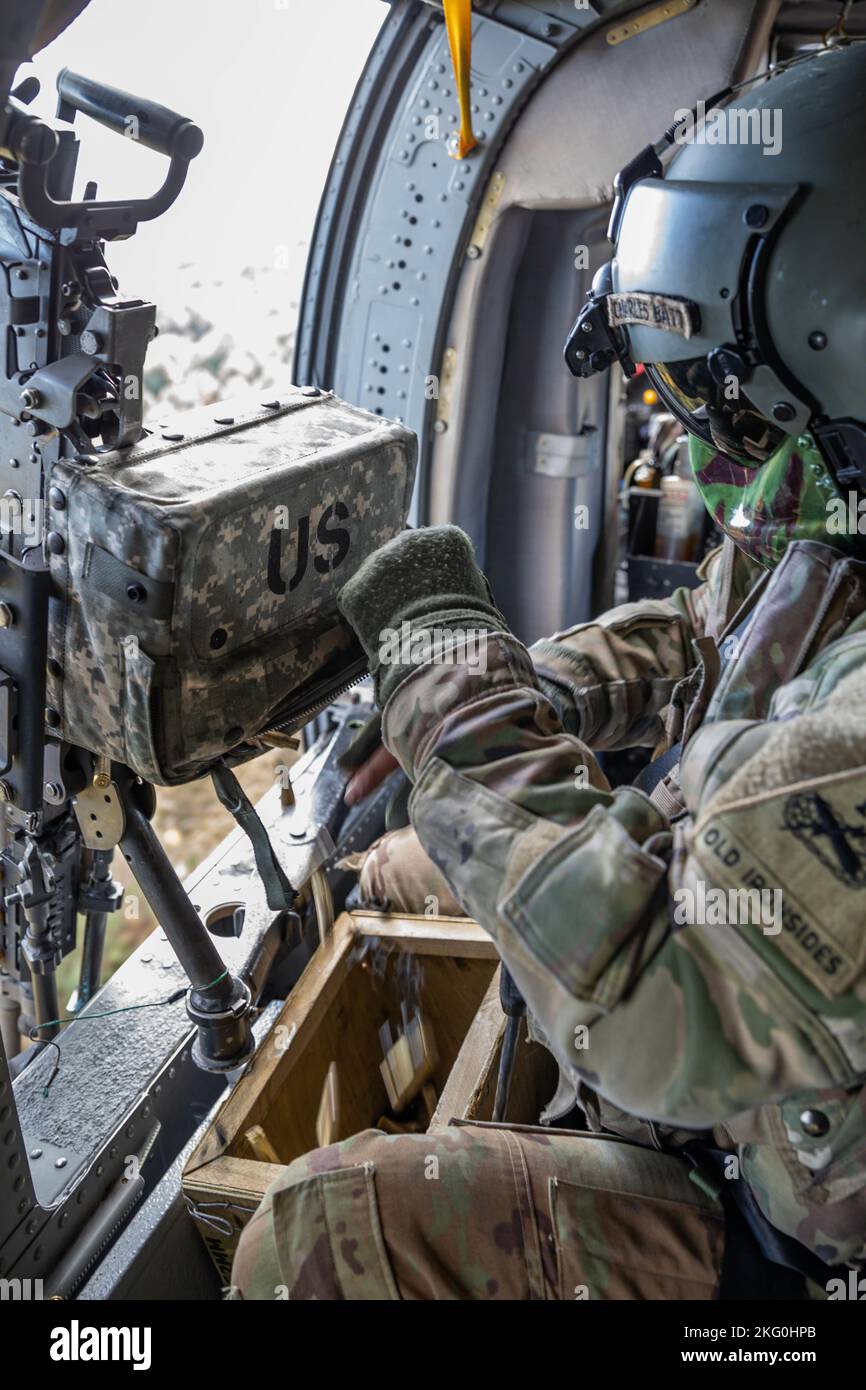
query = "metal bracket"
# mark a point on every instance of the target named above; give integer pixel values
(659, 14)
(99, 813)
(563, 455)
(116, 338)
(52, 391)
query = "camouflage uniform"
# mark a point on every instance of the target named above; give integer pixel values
(754, 1035)
(480, 1211)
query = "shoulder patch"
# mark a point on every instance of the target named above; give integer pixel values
(809, 844)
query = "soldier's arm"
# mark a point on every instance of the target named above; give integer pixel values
(578, 885)
(611, 678)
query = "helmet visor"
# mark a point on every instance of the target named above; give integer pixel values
(718, 414)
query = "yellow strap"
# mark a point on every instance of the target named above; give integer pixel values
(458, 20)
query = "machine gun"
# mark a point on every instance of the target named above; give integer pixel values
(74, 358)
(125, 553)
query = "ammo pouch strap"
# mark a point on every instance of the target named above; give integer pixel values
(648, 779)
(279, 891)
(652, 781)
(757, 1254)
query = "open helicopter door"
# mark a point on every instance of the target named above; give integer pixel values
(440, 291)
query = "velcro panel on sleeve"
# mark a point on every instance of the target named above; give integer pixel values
(581, 902)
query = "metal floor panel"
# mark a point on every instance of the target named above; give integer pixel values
(122, 1076)
(160, 1254)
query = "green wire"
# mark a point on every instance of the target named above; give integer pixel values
(127, 1008)
(106, 1013)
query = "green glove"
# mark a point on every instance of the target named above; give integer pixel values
(427, 579)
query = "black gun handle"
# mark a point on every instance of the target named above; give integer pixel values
(514, 1008)
(146, 121)
(512, 1001)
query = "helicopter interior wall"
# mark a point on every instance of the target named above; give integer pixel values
(571, 112)
(545, 497)
(481, 358)
(525, 445)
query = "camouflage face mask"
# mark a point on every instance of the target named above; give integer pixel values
(764, 507)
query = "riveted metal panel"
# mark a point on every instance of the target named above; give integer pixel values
(417, 215)
(378, 287)
(17, 1196)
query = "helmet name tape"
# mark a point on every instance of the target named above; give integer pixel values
(657, 310)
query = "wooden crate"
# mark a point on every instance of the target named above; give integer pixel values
(333, 1015)
(470, 1090)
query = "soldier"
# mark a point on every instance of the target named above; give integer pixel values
(691, 949)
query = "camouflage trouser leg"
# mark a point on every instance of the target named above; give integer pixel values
(482, 1211)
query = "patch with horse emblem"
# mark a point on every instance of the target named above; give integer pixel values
(807, 842)
(837, 843)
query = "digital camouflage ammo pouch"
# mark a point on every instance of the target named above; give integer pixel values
(195, 577)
